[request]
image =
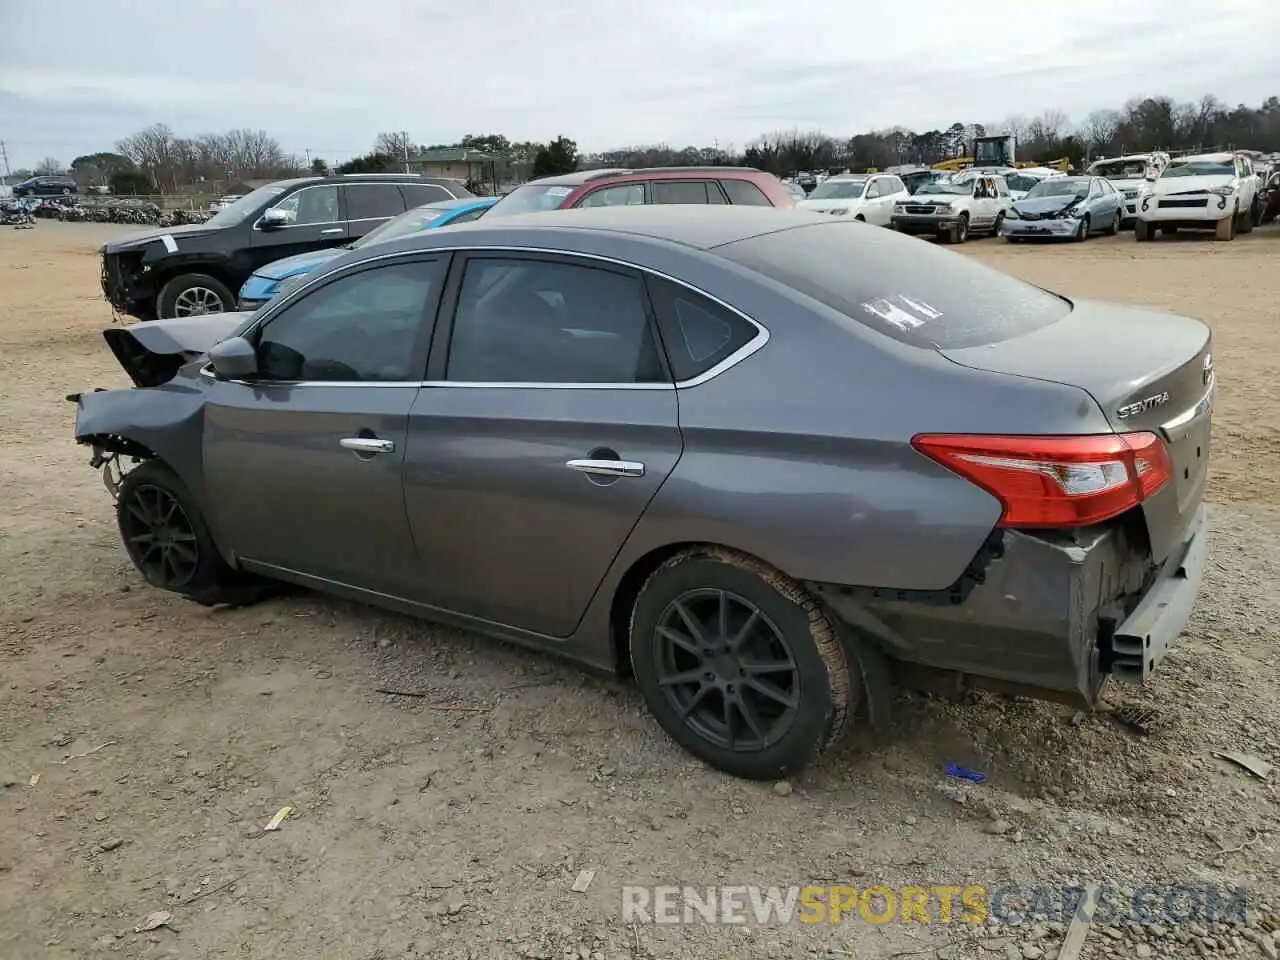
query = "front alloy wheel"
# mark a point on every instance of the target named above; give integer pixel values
(159, 536)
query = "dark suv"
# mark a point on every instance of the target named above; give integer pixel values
(191, 270)
(605, 188)
(52, 186)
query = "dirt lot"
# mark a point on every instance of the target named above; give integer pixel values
(144, 742)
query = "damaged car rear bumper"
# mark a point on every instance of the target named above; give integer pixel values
(1045, 616)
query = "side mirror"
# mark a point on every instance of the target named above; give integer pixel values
(234, 359)
(273, 219)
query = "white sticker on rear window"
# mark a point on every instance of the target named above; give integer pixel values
(915, 315)
(559, 191)
(169, 243)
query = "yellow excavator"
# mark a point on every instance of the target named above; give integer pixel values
(997, 152)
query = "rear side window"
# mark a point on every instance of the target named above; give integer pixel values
(745, 193)
(417, 194)
(914, 292)
(373, 201)
(697, 333)
(681, 191)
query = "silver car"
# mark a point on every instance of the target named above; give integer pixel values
(1065, 208)
(766, 462)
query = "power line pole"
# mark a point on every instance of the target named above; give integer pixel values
(404, 141)
(4, 155)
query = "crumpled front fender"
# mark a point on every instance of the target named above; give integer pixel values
(165, 423)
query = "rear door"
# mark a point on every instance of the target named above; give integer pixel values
(547, 425)
(304, 464)
(370, 205)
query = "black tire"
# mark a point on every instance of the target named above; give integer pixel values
(1142, 231)
(191, 286)
(187, 562)
(788, 628)
(860, 218)
(1244, 224)
(1114, 229)
(960, 232)
(1082, 232)
(995, 227)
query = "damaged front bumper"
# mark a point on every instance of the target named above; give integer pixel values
(1050, 617)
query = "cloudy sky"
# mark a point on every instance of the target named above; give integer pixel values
(328, 75)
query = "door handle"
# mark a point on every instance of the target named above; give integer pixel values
(331, 231)
(607, 468)
(363, 446)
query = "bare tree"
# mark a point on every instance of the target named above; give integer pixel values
(49, 166)
(395, 145)
(1015, 126)
(1048, 128)
(152, 150)
(1100, 127)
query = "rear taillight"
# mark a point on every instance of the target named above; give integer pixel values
(1056, 481)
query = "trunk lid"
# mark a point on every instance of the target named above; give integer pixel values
(1147, 371)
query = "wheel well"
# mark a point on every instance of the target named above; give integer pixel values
(214, 270)
(628, 591)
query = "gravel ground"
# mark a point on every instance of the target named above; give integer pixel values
(144, 742)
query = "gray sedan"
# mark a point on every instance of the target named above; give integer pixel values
(766, 462)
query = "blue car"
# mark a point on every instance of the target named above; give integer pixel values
(281, 276)
(1066, 208)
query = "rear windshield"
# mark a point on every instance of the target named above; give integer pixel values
(905, 288)
(531, 198)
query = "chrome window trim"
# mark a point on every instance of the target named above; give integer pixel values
(742, 353)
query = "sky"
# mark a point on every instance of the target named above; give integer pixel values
(327, 76)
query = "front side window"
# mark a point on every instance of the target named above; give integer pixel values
(311, 205)
(364, 327)
(543, 321)
(623, 195)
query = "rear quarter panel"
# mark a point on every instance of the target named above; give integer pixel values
(801, 453)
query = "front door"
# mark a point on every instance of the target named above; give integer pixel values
(539, 440)
(304, 463)
(314, 221)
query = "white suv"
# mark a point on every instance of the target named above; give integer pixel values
(951, 209)
(1131, 175)
(867, 197)
(1212, 191)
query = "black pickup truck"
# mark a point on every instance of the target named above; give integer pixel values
(197, 269)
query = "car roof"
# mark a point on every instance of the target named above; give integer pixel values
(579, 177)
(702, 228)
(1220, 157)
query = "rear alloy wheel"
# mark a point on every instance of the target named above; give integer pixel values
(193, 295)
(169, 542)
(1082, 231)
(738, 664)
